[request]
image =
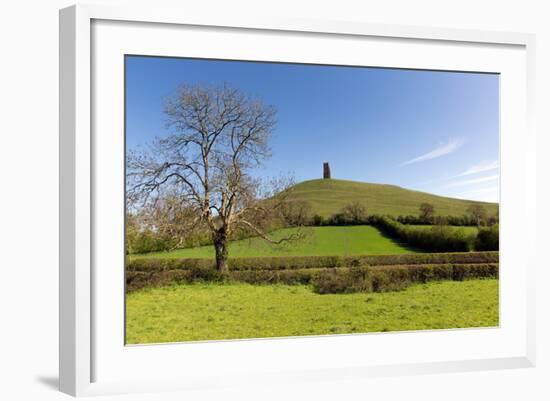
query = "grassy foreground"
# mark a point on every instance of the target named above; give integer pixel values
(232, 311)
(319, 241)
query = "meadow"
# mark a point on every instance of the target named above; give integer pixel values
(318, 241)
(336, 279)
(189, 312)
(211, 243)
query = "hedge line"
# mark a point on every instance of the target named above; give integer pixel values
(393, 278)
(381, 278)
(304, 262)
(437, 239)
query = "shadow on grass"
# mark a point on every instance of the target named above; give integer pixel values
(402, 244)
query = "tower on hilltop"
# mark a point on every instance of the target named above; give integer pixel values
(326, 170)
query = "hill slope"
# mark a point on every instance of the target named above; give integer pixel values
(327, 197)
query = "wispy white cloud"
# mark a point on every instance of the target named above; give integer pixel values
(484, 194)
(485, 190)
(473, 181)
(441, 150)
(480, 167)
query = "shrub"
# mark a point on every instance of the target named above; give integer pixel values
(146, 241)
(487, 238)
(427, 212)
(343, 280)
(477, 213)
(203, 273)
(389, 280)
(355, 213)
(339, 219)
(318, 220)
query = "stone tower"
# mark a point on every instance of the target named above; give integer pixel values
(326, 170)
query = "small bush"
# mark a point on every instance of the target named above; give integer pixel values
(203, 273)
(318, 220)
(389, 280)
(343, 280)
(146, 241)
(487, 238)
(355, 213)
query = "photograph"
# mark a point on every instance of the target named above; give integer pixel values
(273, 199)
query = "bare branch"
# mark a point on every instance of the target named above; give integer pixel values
(295, 235)
(218, 136)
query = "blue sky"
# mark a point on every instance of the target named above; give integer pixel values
(426, 130)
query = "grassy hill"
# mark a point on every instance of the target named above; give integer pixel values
(327, 197)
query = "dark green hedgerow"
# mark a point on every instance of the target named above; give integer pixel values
(343, 281)
(161, 264)
(324, 280)
(305, 262)
(393, 278)
(487, 238)
(438, 238)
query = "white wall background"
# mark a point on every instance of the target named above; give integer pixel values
(29, 186)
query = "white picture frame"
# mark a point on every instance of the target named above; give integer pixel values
(82, 343)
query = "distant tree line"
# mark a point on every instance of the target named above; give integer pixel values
(356, 214)
(163, 226)
(476, 215)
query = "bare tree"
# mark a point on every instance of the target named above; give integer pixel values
(172, 217)
(296, 213)
(219, 136)
(427, 212)
(355, 212)
(477, 213)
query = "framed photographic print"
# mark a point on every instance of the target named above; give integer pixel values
(271, 200)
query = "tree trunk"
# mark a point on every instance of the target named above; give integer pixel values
(220, 244)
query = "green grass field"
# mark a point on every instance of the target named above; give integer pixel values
(318, 241)
(326, 197)
(232, 311)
